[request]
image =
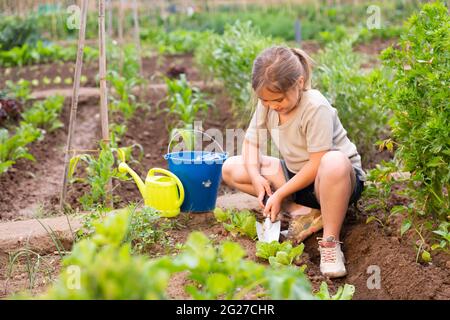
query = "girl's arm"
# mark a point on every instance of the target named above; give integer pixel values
(304, 177)
(251, 156)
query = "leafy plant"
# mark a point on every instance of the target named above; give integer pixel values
(230, 58)
(444, 233)
(183, 101)
(13, 148)
(123, 100)
(42, 52)
(221, 272)
(174, 42)
(106, 268)
(420, 108)
(343, 293)
(237, 222)
(102, 267)
(100, 170)
(147, 228)
(20, 90)
(380, 188)
(123, 59)
(279, 253)
(279, 21)
(16, 31)
(45, 114)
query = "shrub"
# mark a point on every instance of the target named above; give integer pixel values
(421, 109)
(16, 32)
(230, 59)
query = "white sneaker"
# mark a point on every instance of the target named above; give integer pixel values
(331, 258)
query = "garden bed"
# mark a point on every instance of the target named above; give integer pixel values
(31, 189)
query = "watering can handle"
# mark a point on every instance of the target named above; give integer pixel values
(170, 174)
(195, 130)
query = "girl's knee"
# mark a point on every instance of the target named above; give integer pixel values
(335, 164)
(229, 167)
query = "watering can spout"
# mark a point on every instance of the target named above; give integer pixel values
(123, 167)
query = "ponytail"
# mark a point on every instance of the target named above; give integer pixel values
(306, 62)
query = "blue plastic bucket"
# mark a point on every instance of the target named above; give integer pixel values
(200, 173)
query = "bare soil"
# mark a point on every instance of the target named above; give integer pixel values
(32, 189)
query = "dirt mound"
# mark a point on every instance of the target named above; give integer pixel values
(401, 276)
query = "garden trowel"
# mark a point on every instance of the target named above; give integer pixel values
(268, 231)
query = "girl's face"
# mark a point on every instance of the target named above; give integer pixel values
(282, 103)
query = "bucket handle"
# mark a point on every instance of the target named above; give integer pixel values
(195, 130)
(177, 180)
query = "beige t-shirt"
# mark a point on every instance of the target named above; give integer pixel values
(314, 127)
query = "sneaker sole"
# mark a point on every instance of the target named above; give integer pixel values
(335, 274)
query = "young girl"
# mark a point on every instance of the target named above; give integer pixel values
(320, 169)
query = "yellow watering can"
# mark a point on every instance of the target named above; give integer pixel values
(163, 193)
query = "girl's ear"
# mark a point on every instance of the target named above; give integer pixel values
(301, 83)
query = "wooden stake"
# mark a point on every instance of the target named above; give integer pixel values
(110, 18)
(103, 93)
(137, 37)
(120, 25)
(75, 93)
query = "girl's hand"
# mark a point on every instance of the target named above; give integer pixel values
(273, 206)
(262, 186)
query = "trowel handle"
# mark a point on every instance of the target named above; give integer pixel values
(170, 174)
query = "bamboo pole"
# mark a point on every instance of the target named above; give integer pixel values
(75, 93)
(120, 26)
(103, 89)
(137, 37)
(110, 18)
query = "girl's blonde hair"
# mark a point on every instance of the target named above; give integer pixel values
(278, 69)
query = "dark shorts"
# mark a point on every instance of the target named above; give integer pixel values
(306, 196)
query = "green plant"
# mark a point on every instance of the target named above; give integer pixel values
(45, 114)
(102, 267)
(26, 54)
(123, 100)
(13, 147)
(100, 170)
(421, 110)
(147, 228)
(230, 59)
(379, 189)
(184, 101)
(343, 293)
(444, 234)
(278, 21)
(16, 31)
(20, 90)
(237, 222)
(174, 42)
(279, 253)
(123, 59)
(221, 272)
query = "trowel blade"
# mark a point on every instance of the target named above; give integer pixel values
(268, 231)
